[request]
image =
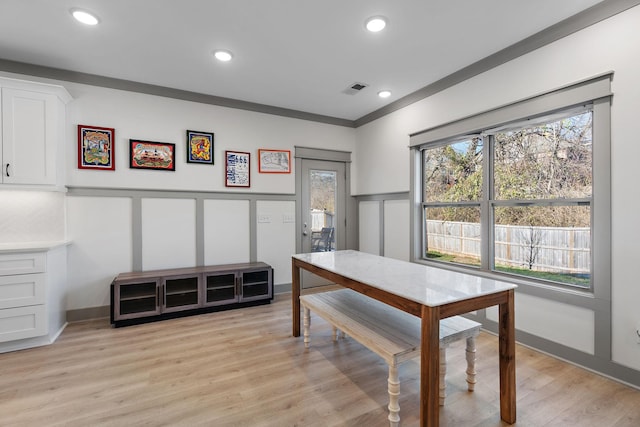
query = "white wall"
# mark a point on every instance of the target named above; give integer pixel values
(100, 233)
(226, 232)
(154, 118)
(369, 227)
(393, 224)
(542, 317)
(396, 229)
(276, 236)
(612, 44)
(168, 233)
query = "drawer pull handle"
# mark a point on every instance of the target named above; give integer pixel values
(6, 170)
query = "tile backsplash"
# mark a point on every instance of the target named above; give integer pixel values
(31, 216)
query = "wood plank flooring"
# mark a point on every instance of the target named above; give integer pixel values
(243, 368)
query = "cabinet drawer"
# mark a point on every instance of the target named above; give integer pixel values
(22, 290)
(24, 263)
(23, 322)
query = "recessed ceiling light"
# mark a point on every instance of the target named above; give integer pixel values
(84, 17)
(384, 93)
(376, 23)
(223, 55)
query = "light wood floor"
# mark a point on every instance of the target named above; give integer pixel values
(243, 368)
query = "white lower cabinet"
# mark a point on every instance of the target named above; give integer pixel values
(23, 322)
(32, 310)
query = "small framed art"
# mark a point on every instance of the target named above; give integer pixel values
(274, 161)
(152, 155)
(96, 148)
(237, 169)
(199, 147)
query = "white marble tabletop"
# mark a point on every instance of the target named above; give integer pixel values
(426, 285)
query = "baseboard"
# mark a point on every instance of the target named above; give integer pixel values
(282, 288)
(88, 313)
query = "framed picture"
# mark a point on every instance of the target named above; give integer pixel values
(96, 148)
(199, 147)
(274, 161)
(237, 169)
(152, 155)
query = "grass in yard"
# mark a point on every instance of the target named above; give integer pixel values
(582, 280)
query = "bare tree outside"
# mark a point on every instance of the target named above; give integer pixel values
(532, 238)
(323, 196)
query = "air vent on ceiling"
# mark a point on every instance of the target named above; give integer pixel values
(355, 88)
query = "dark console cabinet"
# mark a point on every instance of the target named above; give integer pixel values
(154, 295)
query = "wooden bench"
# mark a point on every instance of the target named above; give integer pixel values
(391, 333)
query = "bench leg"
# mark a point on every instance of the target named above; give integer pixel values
(394, 394)
(307, 324)
(471, 363)
(337, 333)
(443, 372)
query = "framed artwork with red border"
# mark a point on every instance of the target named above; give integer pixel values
(237, 169)
(96, 149)
(152, 155)
(274, 161)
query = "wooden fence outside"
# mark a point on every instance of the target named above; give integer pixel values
(553, 249)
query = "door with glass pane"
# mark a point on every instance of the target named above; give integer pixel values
(323, 210)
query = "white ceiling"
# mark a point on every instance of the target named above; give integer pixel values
(294, 54)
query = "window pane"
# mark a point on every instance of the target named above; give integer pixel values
(548, 161)
(453, 172)
(323, 189)
(453, 234)
(545, 242)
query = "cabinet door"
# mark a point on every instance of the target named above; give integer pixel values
(23, 322)
(181, 293)
(256, 284)
(22, 290)
(220, 288)
(29, 130)
(136, 299)
(22, 263)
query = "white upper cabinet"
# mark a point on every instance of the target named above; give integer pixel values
(33, 132)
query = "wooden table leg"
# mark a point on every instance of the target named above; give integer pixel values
(295, 298)
(507, 349)
(430, 367)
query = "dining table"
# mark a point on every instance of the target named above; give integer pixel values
(429, 292)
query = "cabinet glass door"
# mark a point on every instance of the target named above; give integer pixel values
(220, 289)
(137, 300)
(181, 293)
(255, 285)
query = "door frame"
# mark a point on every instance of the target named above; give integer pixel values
(351, 226)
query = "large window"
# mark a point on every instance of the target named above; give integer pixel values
(516, 197)
(538, 193)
